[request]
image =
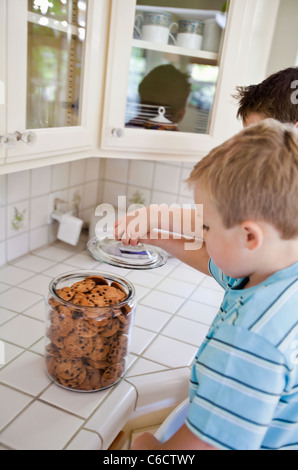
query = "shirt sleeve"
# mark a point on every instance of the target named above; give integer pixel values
(236, 384)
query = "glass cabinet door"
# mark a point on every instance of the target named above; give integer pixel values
(55, 57)
(56, 48)
(174, 64)
(173, 68)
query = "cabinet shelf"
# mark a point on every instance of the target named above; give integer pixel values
(198, 56)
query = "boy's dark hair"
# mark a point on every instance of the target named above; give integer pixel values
(165, 86)
(272, 98)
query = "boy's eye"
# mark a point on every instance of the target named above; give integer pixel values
(205, 227)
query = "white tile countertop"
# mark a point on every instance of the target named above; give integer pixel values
(176, 306)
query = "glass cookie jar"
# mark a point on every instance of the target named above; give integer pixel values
(88, 328)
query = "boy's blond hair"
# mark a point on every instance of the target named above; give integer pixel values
(254, 175)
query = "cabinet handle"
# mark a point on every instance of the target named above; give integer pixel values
(117, 133)
(28, 138)
(10, 140)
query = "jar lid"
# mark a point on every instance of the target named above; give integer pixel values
(113, 252)
(161, 118)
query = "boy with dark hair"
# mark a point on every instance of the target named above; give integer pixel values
(276, 97)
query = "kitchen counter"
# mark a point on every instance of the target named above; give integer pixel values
(176, 306)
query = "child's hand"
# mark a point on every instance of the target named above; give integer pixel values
(132, 228)
(145, 442)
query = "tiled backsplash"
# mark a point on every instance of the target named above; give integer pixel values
(25, 197)
(154, 182)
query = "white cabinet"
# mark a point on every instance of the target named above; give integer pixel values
(68, 76)
(52, 57)
(241, 60)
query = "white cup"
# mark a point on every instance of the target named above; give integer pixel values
(155, 27)
(190, 34)
(189, 41)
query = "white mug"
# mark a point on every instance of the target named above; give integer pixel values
(190, 34)
(156, 27)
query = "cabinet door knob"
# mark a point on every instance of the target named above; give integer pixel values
(10, 140)
(28, 138)
(117, 132)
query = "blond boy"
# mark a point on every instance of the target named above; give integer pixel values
(244, 380)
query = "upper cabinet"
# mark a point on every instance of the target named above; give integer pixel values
(147, 79)
(173, 67)
(53, 77)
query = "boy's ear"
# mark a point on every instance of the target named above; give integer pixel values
(296, 124)
(253, 234)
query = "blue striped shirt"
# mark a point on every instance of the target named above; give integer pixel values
(244, 380)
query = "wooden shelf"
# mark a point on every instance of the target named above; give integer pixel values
(197, 56)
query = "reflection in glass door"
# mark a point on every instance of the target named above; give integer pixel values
(174, 65)
(56, 40)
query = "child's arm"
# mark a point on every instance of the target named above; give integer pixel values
(139, 227)
(184, 439)
(197, 259)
